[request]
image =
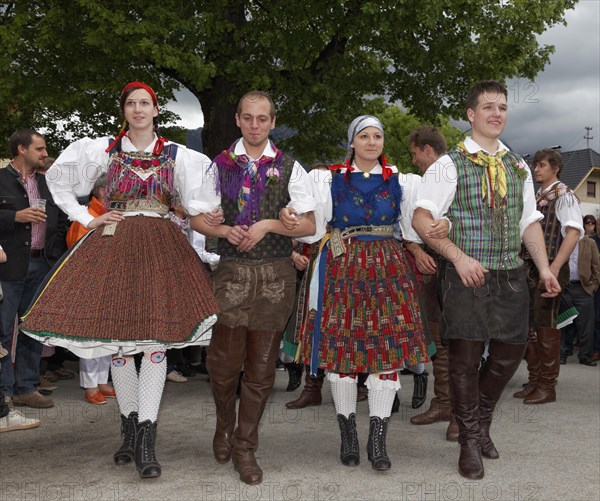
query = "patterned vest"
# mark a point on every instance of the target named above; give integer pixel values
(476, 229)
(275, 197)
(547, 204)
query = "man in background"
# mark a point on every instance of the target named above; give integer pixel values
(33, 239)
(427, 145)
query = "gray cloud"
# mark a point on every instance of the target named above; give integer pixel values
(188, 108)
(567, 96)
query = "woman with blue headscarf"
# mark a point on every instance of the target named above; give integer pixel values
(363, 313)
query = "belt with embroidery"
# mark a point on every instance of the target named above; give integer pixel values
(337, 236)
(131, 206)
(139, 205)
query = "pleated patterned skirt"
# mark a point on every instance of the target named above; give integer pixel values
(368, 318)
(143, 286)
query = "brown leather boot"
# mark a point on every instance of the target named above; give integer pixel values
(532, 356)
(262, 349)
(452, 430)
(311, 394)
(440, 407)
(224, 361)
(549, 350)
(465, 358)
(502, 363)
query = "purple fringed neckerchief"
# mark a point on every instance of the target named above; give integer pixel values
(245, 181)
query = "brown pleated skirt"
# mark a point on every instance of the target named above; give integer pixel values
(145, 283)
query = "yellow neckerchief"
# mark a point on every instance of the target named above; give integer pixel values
(494, 177)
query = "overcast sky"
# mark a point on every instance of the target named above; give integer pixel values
(565, 98)
(552, 110)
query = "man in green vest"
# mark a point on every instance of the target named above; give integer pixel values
(255, 281)
(487, 193)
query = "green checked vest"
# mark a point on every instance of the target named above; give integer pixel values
(490, 236)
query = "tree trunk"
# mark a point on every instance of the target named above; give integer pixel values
(219, 129)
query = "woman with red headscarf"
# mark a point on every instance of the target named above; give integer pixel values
(121, 289)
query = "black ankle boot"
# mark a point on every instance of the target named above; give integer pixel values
(145, 457)
(295, 376)
(349, 453)
(419, 390)
(376, 448)
(126, 452)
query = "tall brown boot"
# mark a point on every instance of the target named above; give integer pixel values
(465, 357)
(532, 356)
(452, 430)
(311, 393)
(262, 349)
(440, 407)
(502, 363)
(224, 361)
(549, 350)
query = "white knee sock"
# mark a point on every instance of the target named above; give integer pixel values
(125, 381)
(344, 391)
(382, 393)
(152, 382)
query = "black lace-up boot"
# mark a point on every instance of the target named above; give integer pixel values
(419, 390)
(126, 453)
(349, 453)
(376, 448)
(145, 457)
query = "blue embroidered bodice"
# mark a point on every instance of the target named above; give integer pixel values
(364, 200)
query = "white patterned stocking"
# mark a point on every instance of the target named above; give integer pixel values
(344, 391)
(153, 375)
(125, 381)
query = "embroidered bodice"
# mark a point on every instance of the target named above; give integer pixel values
(141, 176)
(364, 200)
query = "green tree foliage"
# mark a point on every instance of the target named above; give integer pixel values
(398, 124)
(63, 62)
